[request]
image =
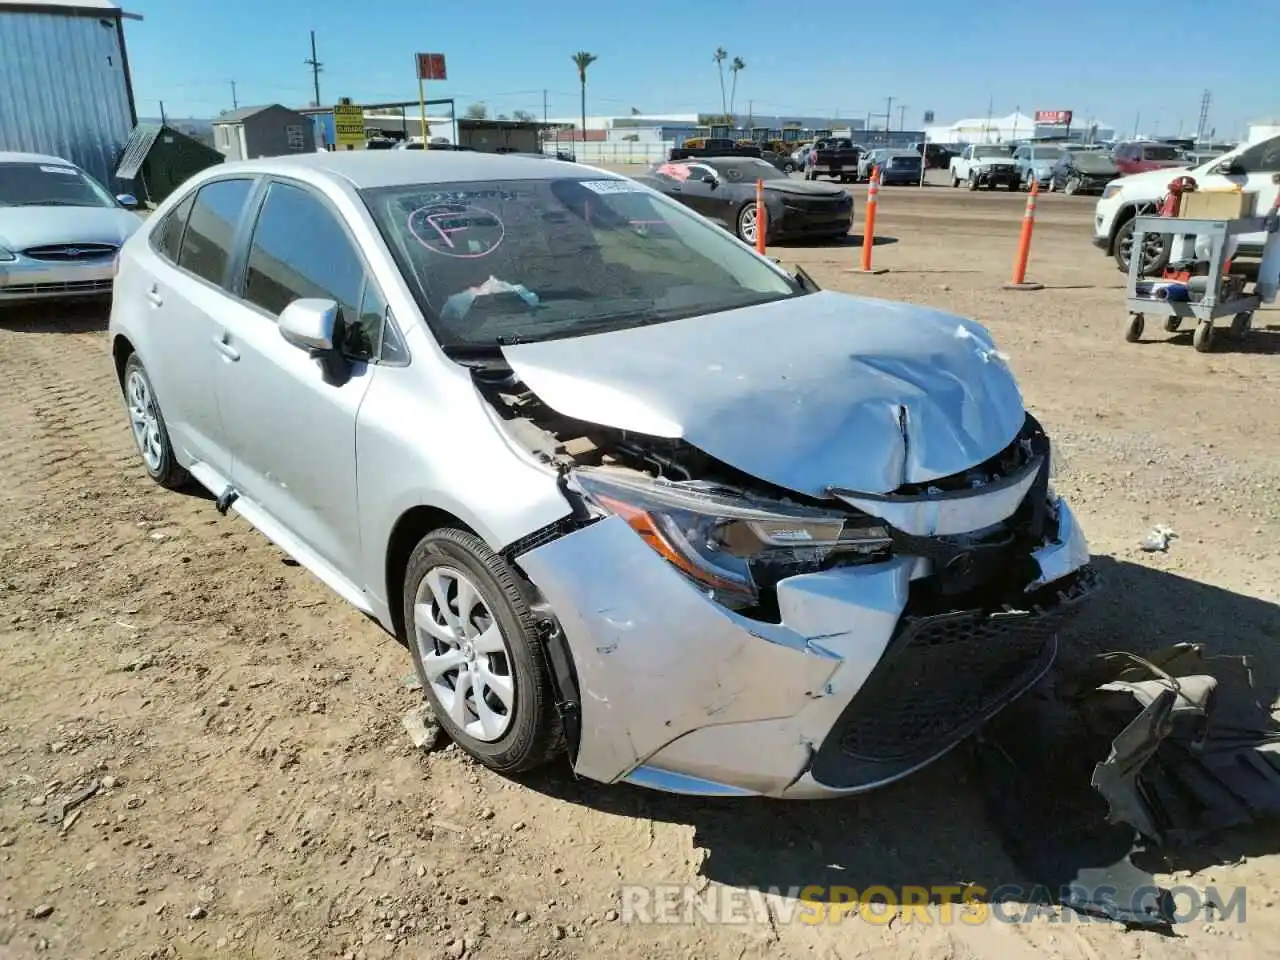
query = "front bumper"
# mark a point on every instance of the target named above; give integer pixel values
(862, 681)
(998, 176)
(813, 220)
(25, 279)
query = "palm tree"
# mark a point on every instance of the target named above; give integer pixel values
(582, 60)
(721, 55)
(734, 67)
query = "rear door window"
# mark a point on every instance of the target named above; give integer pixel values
(166, 240)
(211, 228)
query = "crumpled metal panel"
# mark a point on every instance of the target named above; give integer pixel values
(805, 393)
(63, 88)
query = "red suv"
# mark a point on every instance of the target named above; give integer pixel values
(1139, 156)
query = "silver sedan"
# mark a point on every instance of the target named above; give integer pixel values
(60, 230)
(626, 489)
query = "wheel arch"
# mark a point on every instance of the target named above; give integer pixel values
(410, 527)
(1123, 216)
(121, 350)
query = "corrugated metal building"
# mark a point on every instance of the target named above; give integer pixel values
(64, 81)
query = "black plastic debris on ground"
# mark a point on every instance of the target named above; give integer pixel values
(1122, 756)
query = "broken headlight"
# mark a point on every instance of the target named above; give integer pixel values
(727, 544)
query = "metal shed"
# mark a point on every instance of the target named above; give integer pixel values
(158, 159)
(64, 81)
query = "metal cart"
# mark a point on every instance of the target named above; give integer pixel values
(1222, 297)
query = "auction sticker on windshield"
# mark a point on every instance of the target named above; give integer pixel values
(612, 186)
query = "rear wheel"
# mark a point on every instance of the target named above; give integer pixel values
(150, 435)
(475, 648)
(1073, 185)
(788, 167)
(955, 181)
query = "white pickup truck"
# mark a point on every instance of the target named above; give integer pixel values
(986, 165)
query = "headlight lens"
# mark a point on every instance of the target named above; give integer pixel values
(727, 544)
(1110, 190)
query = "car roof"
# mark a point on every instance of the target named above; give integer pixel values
(365, 169)
(14, 157)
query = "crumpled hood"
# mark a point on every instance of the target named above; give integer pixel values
(22, 227)
(806, 393)
(803, 188)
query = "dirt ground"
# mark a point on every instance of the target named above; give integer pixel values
(260, 798)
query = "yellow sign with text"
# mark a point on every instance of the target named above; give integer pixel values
(348, 126)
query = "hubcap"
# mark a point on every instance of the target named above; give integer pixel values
(749, 224)
(464, 654)
(144, 420)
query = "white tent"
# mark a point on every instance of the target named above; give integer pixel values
(985, 130)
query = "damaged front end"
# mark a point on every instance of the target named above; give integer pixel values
(729, 636)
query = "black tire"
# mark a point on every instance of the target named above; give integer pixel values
(1133, 332)
(166, 471)
(535, 735)
(788, 168)
(1073, 186)
(1172, 324)
(1241, 324)
(746, 208)
(1151, 265)
(973, 182)
(955, 181)
(1203, 338)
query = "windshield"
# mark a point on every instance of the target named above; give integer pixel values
(1091, 161)
(500, 262)
(49, 185)
(1047, 153)
(747, 171)
(1159, 152)
(992, 151)
(904, 159)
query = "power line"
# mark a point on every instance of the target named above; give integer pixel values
(316, 67)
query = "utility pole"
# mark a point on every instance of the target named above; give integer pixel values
(235, 104)
(888, 114)
(544, 107)
(163, 121)
(316, 66)
(1136, 118)
(1205, 100)
(902, 117)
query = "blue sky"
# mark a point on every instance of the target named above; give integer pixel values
(1096, 57)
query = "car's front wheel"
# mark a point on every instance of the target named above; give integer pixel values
(788, 168)
(1155, 252)
(474, 645)
(150, 435)
(748, 223)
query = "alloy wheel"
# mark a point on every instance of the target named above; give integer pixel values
(464, 654)
(747, 223)
(144, 420)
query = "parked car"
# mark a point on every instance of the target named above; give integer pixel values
(1035, 162)
(896, 166)
(937, 155)
(835, 157)
(651, 500)
(1249, 167)
(1139, 156)
(985, 165)
(700, 147)
(800, 156)
(60, 230)
(782, 161)
(1082, 171)
(723, 189)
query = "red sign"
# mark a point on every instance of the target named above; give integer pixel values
(1061, 118)
(431, 66)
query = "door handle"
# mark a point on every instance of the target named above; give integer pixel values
(154, 295)
(226, 349)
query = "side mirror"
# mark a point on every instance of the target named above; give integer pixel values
(710, 178)
(312, 325)
(127, 200)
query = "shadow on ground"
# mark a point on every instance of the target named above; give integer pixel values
(933, 829)
(82, 317)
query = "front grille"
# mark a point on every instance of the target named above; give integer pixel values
(942, 676)
(74, 286)
(71, 252)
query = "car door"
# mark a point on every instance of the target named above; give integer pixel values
(706, 198)
(293, 432)
(185, 290)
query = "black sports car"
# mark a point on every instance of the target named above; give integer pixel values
(724, 190)
(1082, 171)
